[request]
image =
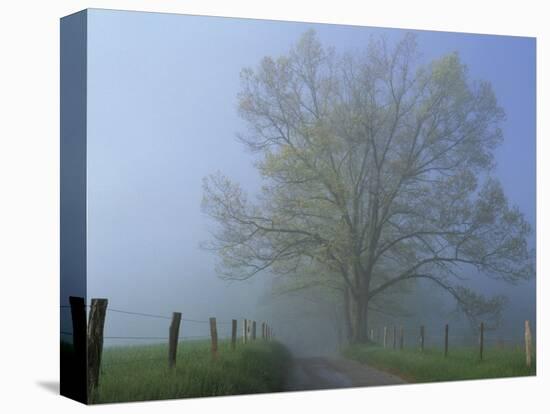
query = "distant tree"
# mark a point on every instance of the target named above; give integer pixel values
(376, 171)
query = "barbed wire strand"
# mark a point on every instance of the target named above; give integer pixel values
(150, 315)
(158, 337)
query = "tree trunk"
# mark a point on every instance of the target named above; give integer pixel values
(347, 314)
(358, 320)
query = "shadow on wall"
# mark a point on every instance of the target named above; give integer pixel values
(50, 386)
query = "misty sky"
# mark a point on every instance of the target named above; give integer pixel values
(162, 115)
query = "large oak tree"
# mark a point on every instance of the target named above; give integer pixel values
(377, 170)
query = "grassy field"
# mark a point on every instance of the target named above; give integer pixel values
(136, 373)
(431, 365)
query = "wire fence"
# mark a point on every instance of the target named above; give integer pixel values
(88, 322)
(398, 338)
(436, 337)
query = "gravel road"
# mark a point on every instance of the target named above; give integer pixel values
(335, 372)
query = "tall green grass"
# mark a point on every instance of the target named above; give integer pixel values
(431, 365)
(137, 373)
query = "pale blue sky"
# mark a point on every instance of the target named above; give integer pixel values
(162, 115)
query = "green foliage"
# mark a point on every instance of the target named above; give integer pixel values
(431, 365)
(138, 373)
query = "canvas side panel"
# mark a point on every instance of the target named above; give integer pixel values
(73, 97)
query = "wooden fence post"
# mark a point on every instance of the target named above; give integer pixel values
(95, 343)
(244, 331)
(214, 335)
(253, 330)
(401, 338)
(173, 334)
(385, 335)
(446, 339)
(394, 336)
(528, 345)
(233, 333)
(78, 365)
(481, 331)
(422, 338)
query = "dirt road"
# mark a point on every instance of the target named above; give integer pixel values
(335, 372)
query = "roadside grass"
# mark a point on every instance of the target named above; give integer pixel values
(431, 365)
(137, 373)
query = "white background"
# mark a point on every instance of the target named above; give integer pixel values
(29, 206)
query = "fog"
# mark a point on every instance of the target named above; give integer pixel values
(162, 96)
